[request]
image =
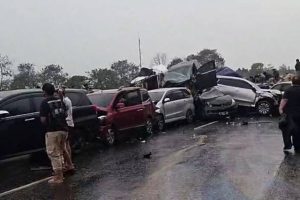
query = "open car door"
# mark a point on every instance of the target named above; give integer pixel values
(206, 76)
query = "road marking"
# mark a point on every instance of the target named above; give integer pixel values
(205, 125)
(24, 187)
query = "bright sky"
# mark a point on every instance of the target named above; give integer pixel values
(83, 35)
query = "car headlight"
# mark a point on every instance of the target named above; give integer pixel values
(232, 102)
(208, 104)
(102, 119)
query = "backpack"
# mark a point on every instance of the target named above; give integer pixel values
(57, 115)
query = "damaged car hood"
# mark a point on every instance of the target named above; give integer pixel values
(216, 97)
(200, 77)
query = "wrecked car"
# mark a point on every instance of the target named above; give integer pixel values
(191, 75)
(172, 104)
(248, 94)
(215, 104)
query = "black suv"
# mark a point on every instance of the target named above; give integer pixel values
(21, 131)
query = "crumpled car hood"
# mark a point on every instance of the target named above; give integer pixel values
(216, 97)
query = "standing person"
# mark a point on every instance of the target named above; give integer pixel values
(69, 166)
(297, 67)
(276, 75)
(53, 116)
(290, 106)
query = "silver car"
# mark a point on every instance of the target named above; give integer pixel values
(173, 104)
(246, 93)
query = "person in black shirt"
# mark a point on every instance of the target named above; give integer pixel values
(290, 106)
(53, 115)
(297, 67)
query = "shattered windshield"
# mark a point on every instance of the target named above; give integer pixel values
(184, 70)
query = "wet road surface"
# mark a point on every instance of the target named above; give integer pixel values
(220, 161)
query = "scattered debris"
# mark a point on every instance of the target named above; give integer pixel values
(244, 123)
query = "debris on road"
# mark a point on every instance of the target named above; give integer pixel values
(244, 123)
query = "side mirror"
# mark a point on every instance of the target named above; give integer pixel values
(120, 105)
(3, 113)
(254, 90)
(167, 100)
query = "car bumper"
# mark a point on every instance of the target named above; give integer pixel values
(216, 112)
(103, 130)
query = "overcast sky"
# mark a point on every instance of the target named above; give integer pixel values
(85, 34)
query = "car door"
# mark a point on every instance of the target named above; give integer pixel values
(180, 103)
(16, 129)
(38, 130)
(240, 90)
(131, 115)
(188, 101)
(171, 109)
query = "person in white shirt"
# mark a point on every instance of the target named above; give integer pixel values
(69, 166)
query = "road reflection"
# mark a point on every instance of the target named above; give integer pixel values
(63, 192)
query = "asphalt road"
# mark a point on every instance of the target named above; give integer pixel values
(220, 161)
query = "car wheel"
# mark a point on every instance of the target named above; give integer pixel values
(189, 117)
(264, 107)
(161, 123)
(149, 127)
(110, 138)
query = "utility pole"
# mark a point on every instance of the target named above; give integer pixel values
(140, 53)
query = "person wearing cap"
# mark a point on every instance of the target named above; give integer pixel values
(68, 165)
(52, 115)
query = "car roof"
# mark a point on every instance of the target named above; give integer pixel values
(11, 93)
(113, 91)
(231, 77)
(167, 89)
(285, 82)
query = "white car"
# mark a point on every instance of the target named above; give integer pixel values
(282, 86)
(248, 94)
(173, 104)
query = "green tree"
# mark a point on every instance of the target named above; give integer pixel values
(77, 82)
(283, 70)
(207, 55)
(175, 61)
(5, 72)
(53, 74)
(103, 79)
(26, 77)
(125, 71)
(256, 68)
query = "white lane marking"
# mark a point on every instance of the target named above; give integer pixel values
(205, 125)
(24, 187)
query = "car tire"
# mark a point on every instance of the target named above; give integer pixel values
(189, 116)
(264, 107)
(110, 138)
(149, 127)
(161, 123)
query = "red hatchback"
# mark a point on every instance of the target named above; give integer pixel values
(123, 110)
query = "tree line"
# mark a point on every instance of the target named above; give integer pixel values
(120, 73)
